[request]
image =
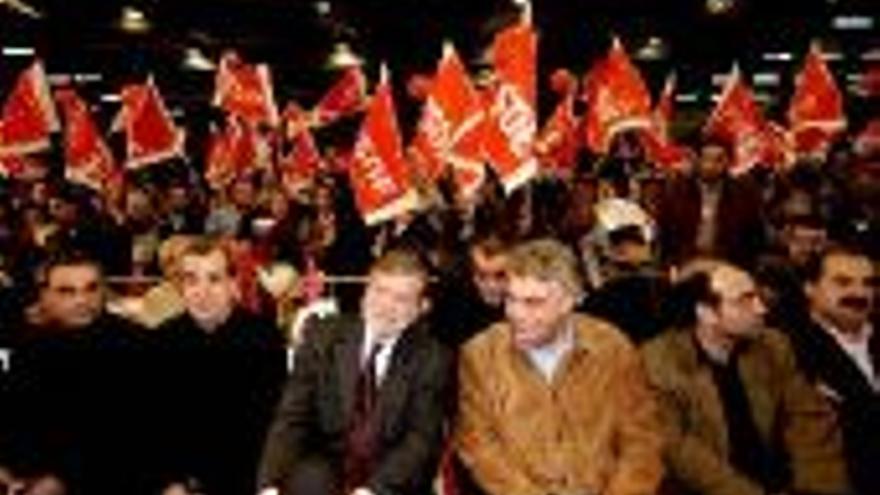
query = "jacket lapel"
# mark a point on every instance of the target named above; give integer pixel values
(392, 390)
(708, 417)
(348, 365)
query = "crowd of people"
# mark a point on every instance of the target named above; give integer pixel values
(617, 329)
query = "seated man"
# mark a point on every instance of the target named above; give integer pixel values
(553, 402)
(75, 402)
(738, 416)
(839, 350)
(364, 410)
(222, 369)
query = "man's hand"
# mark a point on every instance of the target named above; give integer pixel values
(362, 491)
(269, 491)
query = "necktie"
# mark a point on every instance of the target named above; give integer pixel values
(360, 438)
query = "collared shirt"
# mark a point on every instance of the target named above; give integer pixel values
(383, 358)
(546, 359)
(707, 231)
(857, 347)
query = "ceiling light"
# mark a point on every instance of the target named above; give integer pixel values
(18, 51)
(778, 57)
(766, 79)
(195, 60)
(322, 8)
(852, 23)
(133, 20)
(719, 7)
(343, 56)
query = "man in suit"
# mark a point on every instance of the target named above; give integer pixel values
(712, 213)
(737, 414)
(364, 410)
(839, 349)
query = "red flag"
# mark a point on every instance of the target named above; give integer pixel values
(245, 90)
(300, 165)
(738, 119)
(558, 143)
(220, 167)
(346, 96)
(448, 132)
(88, 158)
(779, 150)
(660, 149)
(511, 123)
(28, 115)
(151, 135)
(617, 97)
(378, 171)
(868, 140)
(815, 113)
(13, 165)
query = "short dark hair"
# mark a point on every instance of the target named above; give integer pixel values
(63, 258)
(694, 287)
(717, 141)
(815, 265)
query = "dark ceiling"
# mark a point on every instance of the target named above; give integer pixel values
(295, 37)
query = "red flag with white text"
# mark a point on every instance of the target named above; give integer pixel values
(245, 90)
(378, 170)
(511, 123)
(617, 99)
(302, 162)
(448, 133)
(738, 119)
(345, 97)
(87, 156)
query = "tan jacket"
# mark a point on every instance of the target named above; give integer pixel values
(593, 430)
(781, 401)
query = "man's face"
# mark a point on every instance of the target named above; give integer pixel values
(490, 276)
(739, 313)
(713, 162)
(392, 302)
(844, 292)
(208, 288)
(536, 310)
(802, 242)
(73, 296)
(243, 194)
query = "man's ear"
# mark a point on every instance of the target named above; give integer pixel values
(809, 289)
(705, 313)
(424, 305)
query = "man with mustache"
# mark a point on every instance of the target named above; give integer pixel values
(839, 349)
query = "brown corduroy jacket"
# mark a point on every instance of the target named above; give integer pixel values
(785, 409)
(592, 430)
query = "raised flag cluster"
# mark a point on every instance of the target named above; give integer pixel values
(461, 130)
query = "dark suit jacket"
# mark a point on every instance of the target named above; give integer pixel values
(740, 229)
(315, 410)
(857, 403)
(216, 400)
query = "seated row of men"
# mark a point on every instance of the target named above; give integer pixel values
(547, 400)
